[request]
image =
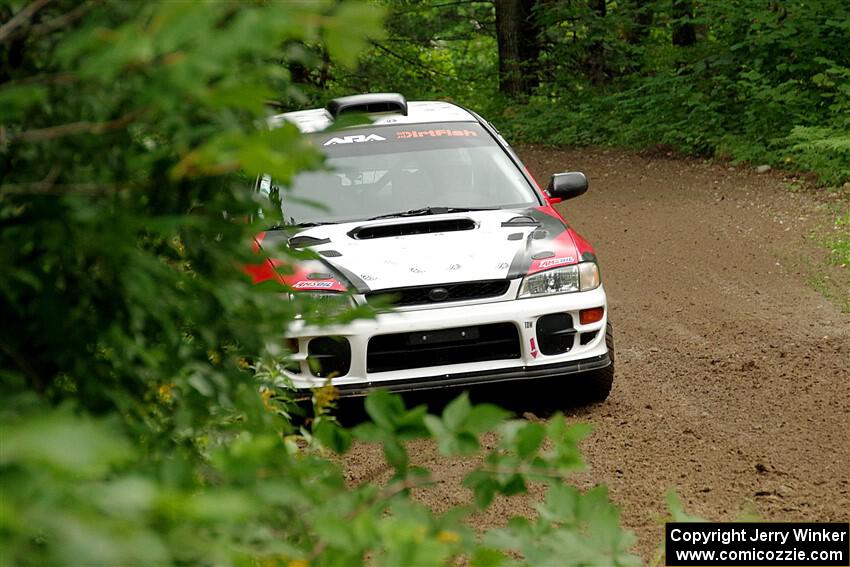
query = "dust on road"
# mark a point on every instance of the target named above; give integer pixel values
(733, 375)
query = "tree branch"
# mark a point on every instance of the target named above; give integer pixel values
(529, 471)
(47, 187)
(22, 363)
(64, 19)
(424, 39)
(55, 78)
(411, 61)
(443, 5)
(53, 132)
(21, 18)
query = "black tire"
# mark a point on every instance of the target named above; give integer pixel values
(595, 385)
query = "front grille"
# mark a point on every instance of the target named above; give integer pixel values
(475, 343)
(422, 295)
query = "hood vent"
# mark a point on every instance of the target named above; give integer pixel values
(407, 229)
(307, 241)
(522, 220)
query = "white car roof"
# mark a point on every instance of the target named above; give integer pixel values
(418, 112)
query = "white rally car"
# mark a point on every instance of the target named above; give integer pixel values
(429, 210)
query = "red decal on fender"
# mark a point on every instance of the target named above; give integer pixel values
(565, 254)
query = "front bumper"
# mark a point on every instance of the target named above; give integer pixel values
(587, 351)
(475, 378)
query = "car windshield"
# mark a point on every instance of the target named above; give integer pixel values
(412, 169)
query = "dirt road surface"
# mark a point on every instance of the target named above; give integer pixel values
(733, 374)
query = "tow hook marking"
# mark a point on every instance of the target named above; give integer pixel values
(533, 349)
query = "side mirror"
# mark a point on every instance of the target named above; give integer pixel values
(567, 185)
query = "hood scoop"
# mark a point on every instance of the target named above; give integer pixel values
(411, 228)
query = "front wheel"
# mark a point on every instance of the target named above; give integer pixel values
(595, 385)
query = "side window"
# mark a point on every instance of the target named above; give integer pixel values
(264, 185)
(267, 189)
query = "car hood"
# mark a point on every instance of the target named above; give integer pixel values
(437, 249)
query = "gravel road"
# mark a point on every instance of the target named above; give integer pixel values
(733, 373)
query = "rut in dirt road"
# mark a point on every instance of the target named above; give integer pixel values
(733, 376)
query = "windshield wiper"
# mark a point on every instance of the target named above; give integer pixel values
(431, 211)
(309, 224)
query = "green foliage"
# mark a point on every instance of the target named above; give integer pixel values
(144, 419)
(764, 83)
(677, 511)
(825, 150)
(439, 51)
(840, 243)
(457, 432)
(76, 494)
(114, 183)
(574, 525)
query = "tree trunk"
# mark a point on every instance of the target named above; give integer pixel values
(642, 18)
(684, 33)
(517, 37)
(595, 64)
(599, 7)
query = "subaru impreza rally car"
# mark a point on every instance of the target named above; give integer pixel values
(428, 210)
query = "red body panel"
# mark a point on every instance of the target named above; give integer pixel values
(569, 246)
(299, 279)
(565, 254)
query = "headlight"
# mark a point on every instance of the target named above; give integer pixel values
(578, 277)
(312, 303)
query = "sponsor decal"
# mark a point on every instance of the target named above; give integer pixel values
(355, 138)
(454, 267)
(306, 284)
(416, 270)
(368, 277)
(534, 352)
(408, 134)
(556, 261)
(503, 266)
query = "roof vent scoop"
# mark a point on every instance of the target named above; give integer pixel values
(372, 102)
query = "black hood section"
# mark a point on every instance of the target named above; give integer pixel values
(548, 229)
(306, 241)
(410, 228)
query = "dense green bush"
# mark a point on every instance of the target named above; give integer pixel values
(764, 83)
